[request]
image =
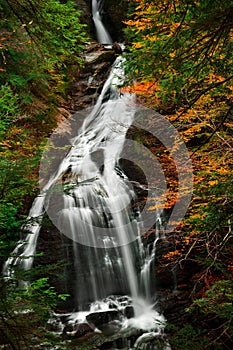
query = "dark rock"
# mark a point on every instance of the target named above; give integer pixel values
(99, 57)
(93, 47)
(83, 329)
(93, 340)
(82, 100)
(113, 14)
(90, 79)
(54, 324)
(101, 318)
(117, 48)
(124, 299)
(129, 311)
(164, 277)
(64, 318)
(91, 90)
(85, 7)
(110, 328)
(121, 343)
(102, 68)
(70, 328)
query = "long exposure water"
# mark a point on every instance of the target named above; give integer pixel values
(112, 268)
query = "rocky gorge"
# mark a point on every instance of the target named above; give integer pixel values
(172, 282)
(172, 285)
(115, 201)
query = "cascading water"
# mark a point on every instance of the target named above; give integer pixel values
(89, 199)
(101, 32)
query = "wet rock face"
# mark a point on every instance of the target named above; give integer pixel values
(101, 318)
(89, 81)
(83, 329)
(174, 283)
(129, 312)
(114, 13)
(101, 56)
(85, 7)
(109, 322)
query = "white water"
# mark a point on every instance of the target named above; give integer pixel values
(148, 320)
(101, 32)
(145, 274)
(82, 220)
(95, 212)
(23, 255)
(105, 251)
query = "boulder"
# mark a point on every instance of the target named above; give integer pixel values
(117, 48)
(98, 319)
(99, 57)
(129, 311)
(110, 328)
(83, 329)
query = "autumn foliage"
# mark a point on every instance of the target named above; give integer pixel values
(180, 64)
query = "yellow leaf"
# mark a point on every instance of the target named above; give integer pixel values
(213, 182)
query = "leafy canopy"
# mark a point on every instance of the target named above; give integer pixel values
(180, 63)
(185, 46)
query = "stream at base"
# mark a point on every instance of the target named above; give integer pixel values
(120, 322)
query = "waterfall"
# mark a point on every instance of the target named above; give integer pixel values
(101, 32)
(96, 209)
(95, 204)
(89, 199)
(23, 254)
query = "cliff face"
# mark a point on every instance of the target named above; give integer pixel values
(85, 7)
(114, 13)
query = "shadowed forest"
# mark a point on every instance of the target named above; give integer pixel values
(179, 63)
